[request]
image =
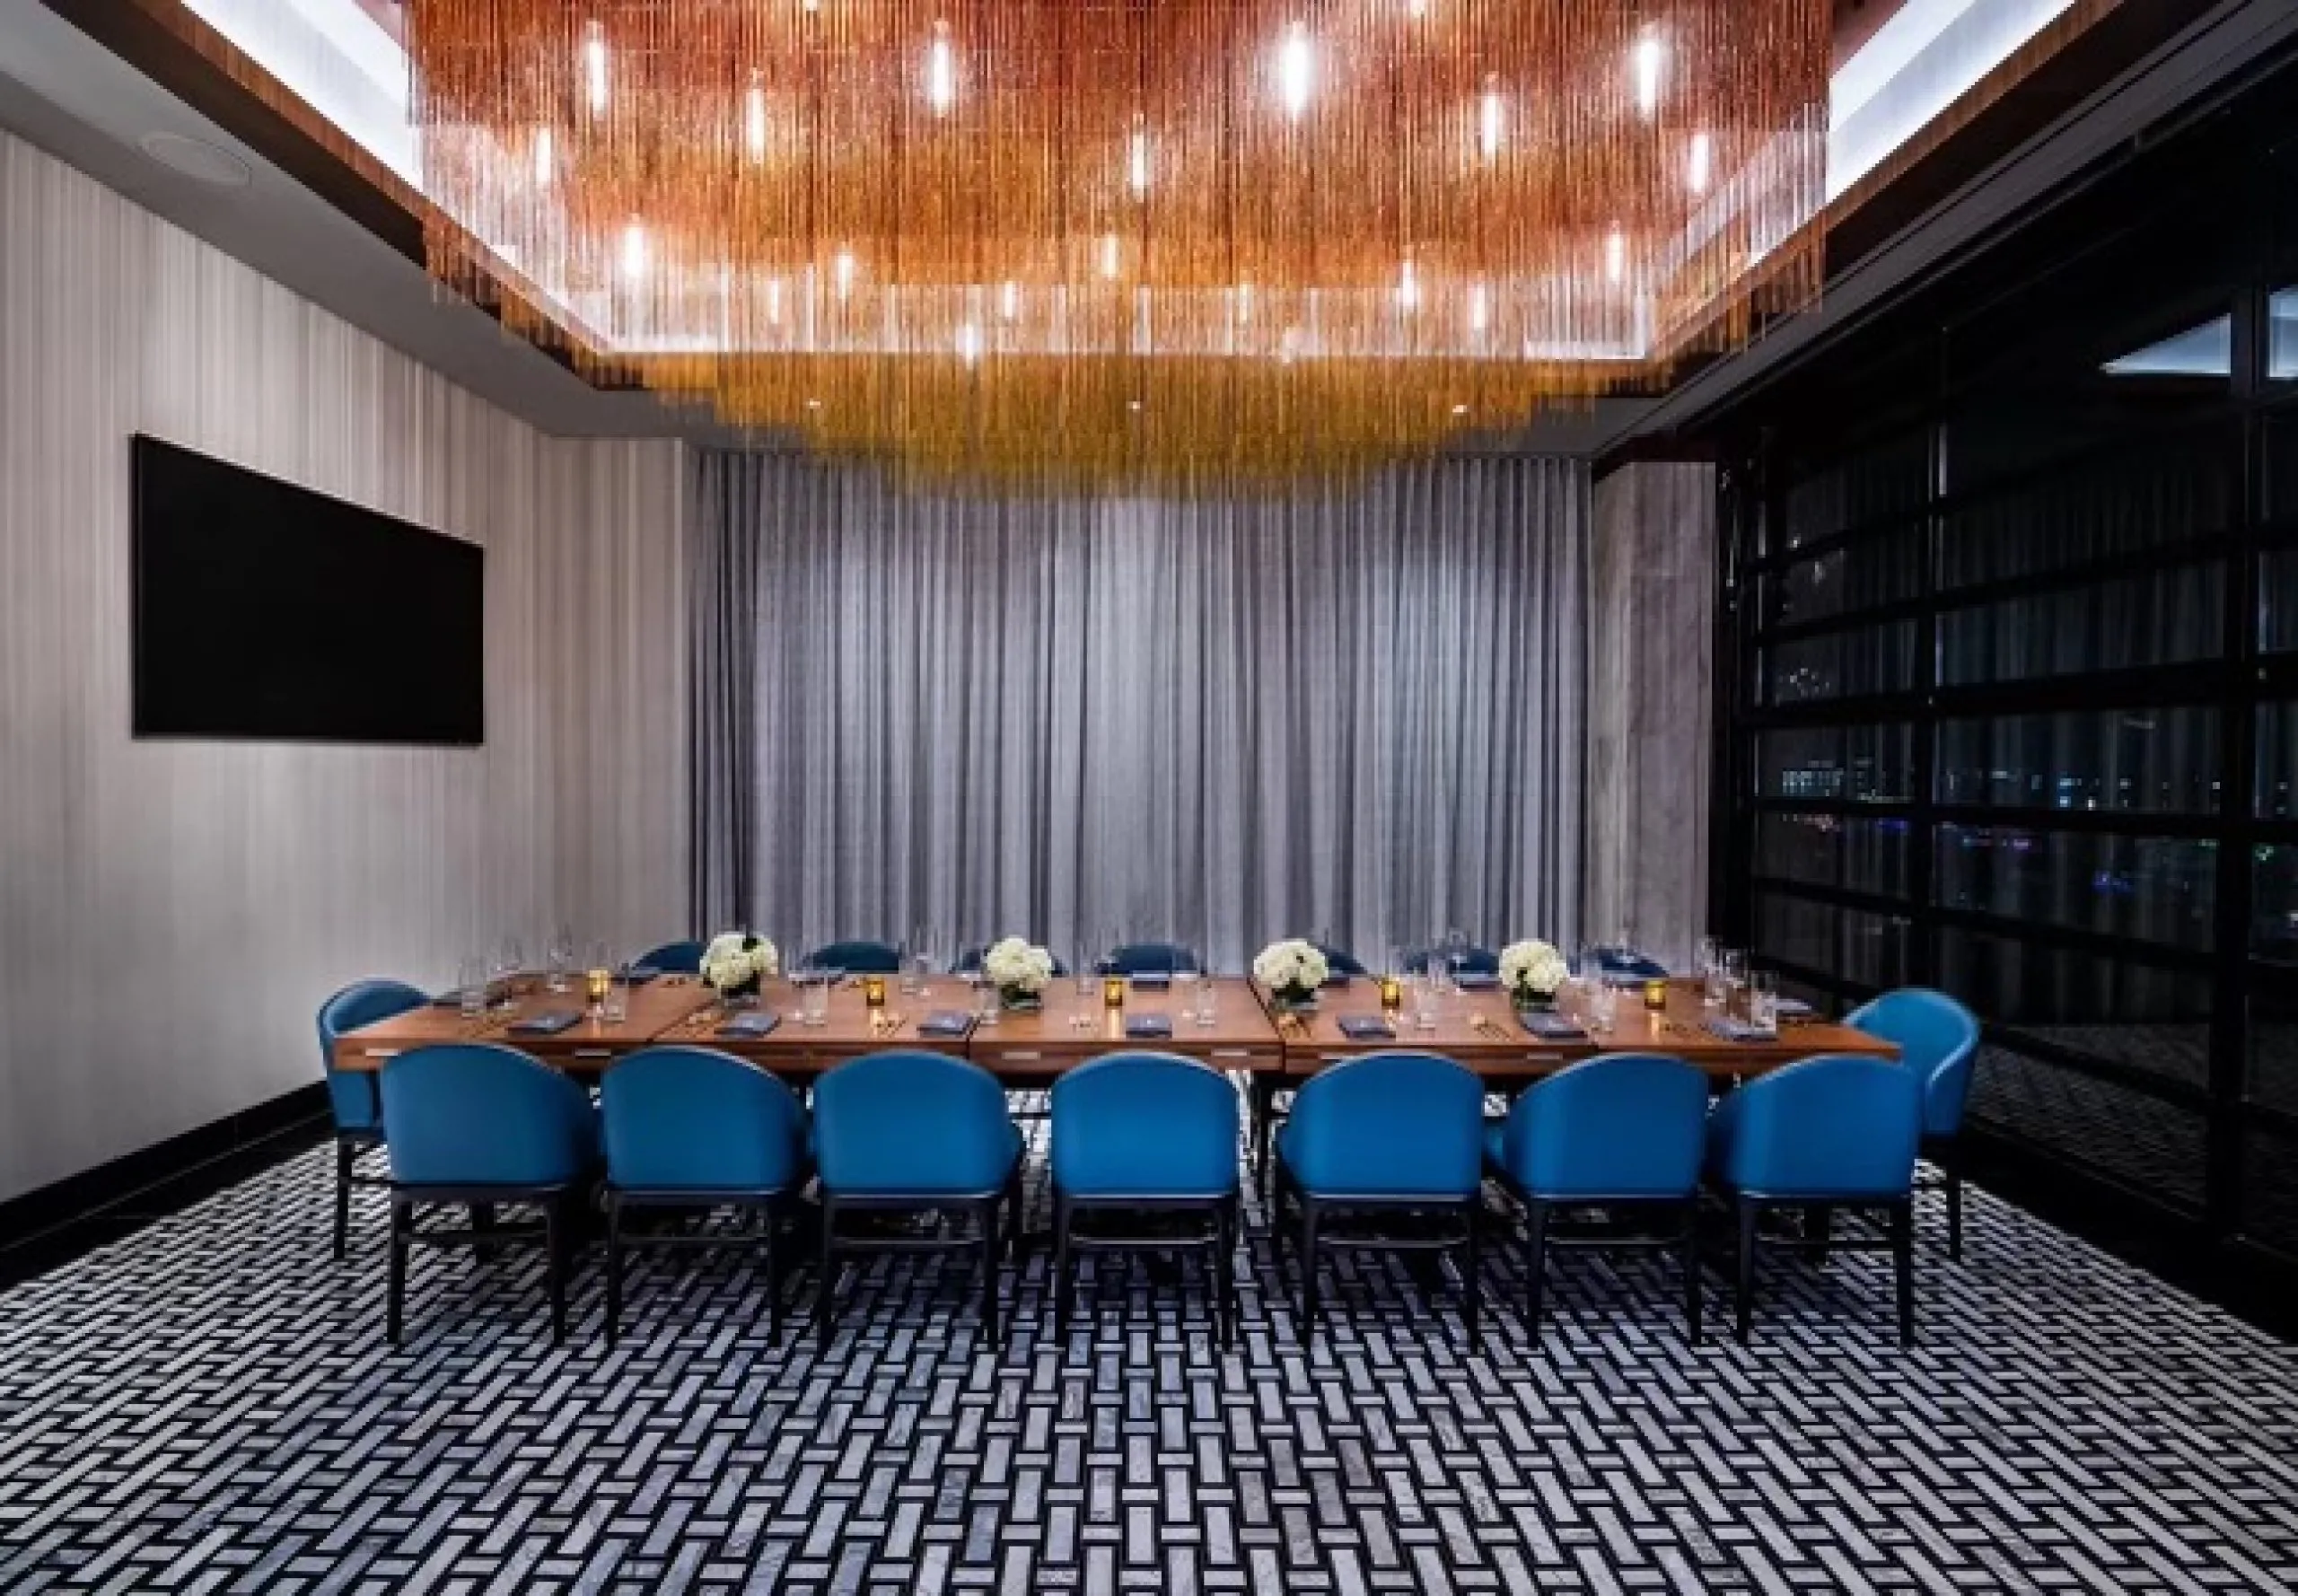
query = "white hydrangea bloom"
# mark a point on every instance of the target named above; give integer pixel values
(1293, 967)
(1013, 965)
(1532, 970)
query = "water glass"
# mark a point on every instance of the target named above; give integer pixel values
(1603, 1008)
(471, 985)
(1716, 989)
(1763, 1000)
(558, 959)
(1426, 993)
(984, 1001)
(813, 997)
(615, 1008)
(510, 962)
(1185, 994)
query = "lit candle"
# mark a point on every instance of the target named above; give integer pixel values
(873, 991)
(1113, 992)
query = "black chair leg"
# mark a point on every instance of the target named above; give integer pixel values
(614, 1269)
(1308, 1269)
(1472, 1279)
(344, 1156)
(989, 1249)
(769, 1219)
(395, 1290)
(1748, 1211)
(1903, 1267)
(1224, 1272)
(1691, 1269)
(1063, 1264)
(1950, 1166)
(827, 1285)
(1535, 1262)
(556, 1220)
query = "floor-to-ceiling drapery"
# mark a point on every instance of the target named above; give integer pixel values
(1220, 721)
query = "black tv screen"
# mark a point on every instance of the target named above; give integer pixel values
(266, 610)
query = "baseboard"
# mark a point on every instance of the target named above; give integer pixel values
(47, 1226)
(2253, 1283)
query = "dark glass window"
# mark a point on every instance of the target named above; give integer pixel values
(2152, 760)
(2157, 619)
(1870, 764)
(2274, 904)
(2270, 1190)
(2138, 1015)
(1863, 487)
(1867, 948)
(1831, 851)
(2150, 888)
(2274, 1043)
(2152, 1145)
(2281, 336)
(2123, 502)
(2276, 798)
(1880, 568)
(2282, 465)
(1846, 664)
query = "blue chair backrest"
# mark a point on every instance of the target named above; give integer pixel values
(1144, 1124)
(1836, 1125)
(1389, 1125)
(1150, 958)
(351, 1094)
(912, 1124)
(697, 1119)
(1463, 961)
(673, 958)
(969, 961)
(1339, 962)
(857, 959)
(1622, 1126)
(1938, 1039)
(482, 1114)
(1628, 962)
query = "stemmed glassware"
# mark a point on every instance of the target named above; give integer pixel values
(510, 962)
(558, 958)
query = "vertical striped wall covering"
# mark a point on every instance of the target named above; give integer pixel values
(172, 913)
(1651, 645)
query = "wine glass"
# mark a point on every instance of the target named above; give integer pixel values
(510, 961)
(559, 958)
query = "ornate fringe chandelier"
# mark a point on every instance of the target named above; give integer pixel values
(1110, 242)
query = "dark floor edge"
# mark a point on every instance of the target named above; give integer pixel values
(53, 1225)
(2254, 1283)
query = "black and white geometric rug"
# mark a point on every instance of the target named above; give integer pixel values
(209, 1406)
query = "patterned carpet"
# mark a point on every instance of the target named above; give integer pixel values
(208, 1405)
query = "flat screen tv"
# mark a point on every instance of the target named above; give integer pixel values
(264, 610)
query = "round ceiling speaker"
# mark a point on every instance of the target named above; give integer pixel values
(201, 163)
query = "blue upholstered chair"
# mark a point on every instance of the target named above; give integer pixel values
(1385, 1133)
(1339, 962)
(914, 1132)
(857, 959)
(1628, 964)
(1624, 1131)
(969, 961)
(479, 1123)
(1461, 961)
(1150, 958)
(672, 959)
(696, 1127)
(1142, 1131)
(1938, 1039)
(1835, 1131)
(351, 1094)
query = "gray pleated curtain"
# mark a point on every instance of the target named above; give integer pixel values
(1216, 722)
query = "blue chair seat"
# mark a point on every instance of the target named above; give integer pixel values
(1938, 1039)
(352, 1096)
(857, 959)
(672, 959)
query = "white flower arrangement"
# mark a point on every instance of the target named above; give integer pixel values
(1532, 971)
(1017, 968)
(1292, 970)
(735, 962)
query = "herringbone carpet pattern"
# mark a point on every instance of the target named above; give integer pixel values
(209, 1407)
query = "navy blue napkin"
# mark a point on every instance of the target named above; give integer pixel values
(1144, 1027)
(1152, 980)
(1794, 1008)
(1339, 978)
(1554, 1028)
(1366, 1028)
(449, 1000)
(751, 1024)
(549, 1022)
(1737, 1031)
(1476, 981)
(946, 1022)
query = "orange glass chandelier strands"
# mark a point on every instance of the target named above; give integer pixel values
(1156, 240)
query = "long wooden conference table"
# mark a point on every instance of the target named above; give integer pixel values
(1248, 1034)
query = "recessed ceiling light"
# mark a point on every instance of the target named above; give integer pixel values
(201, 163)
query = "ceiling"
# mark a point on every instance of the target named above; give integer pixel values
(65, 92)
